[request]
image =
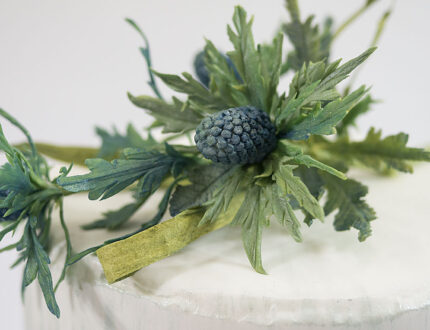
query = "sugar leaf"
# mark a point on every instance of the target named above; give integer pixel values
(113, 143)
(252, 218)
(246, 58)
(194, 89)
(380, 153)
(353, 211)
(360, 108)
(108, 178)
(291, 184)
(309, 44)
(222, 196)
(204, 181)
(176, 117)
(282, 210)
(322, 121)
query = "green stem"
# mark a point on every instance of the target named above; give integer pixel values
(15, 122)
(352, 18)
(68, 245)
(147, 56)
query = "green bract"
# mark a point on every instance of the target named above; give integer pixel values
(304, 166)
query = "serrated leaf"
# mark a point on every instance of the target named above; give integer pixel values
(309, 44)
(114, 219)
(30, 270)
(283, 211)
(322, 121)
(174, 118)
(343, 71)
(291, 184)
(292, 106)
(114, 143)
(223, 78)
(312, 179)
(360, 108)
(194, 89)
(297, 157)
(108, 178)
(14, 178)
(380, 153)
(222, 196)
(246, 58)
(271, 61)
(353, 211)
(44, 276)
(205, 180)
(251, 217)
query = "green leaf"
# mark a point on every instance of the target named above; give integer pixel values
(14, 177)
(115, 219)
(322, 121)
(353, 211)
(162, 207)
(196, 92)
(309, 44)
(223, 195)
(360, 108)
(313, 181)
(44, 276)
(271, 61)
(299, 158)
(174, 118)
(380, 153)
(282, 210)
(114, 143)
(290, 107)
(251, 216)
(224, 81)
(205, 180)
(343, 71)
(30, 270)
(145, 51)
(291, 184)
(108, 178)
(246, 58)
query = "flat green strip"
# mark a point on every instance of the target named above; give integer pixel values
(67, 154)
(123, 258)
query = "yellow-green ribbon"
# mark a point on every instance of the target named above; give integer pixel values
(123, 258)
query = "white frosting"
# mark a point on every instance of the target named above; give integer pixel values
(329, 280)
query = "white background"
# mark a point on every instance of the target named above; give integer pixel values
(65, 66)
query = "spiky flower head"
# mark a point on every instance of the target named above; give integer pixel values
(243, 135)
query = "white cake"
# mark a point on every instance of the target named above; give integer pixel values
(330, 281)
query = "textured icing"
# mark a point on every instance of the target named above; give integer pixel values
(328, 280)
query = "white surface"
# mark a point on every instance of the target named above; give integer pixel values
(330, 281)
(70, 63)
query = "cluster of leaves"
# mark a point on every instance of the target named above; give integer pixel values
(305, 166)
(28, 198)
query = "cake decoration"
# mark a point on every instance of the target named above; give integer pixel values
(255, 153)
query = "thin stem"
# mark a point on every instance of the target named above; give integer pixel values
(377, 36)
(352, 18)
(15, 122)
(68, 245)
(147, 56)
